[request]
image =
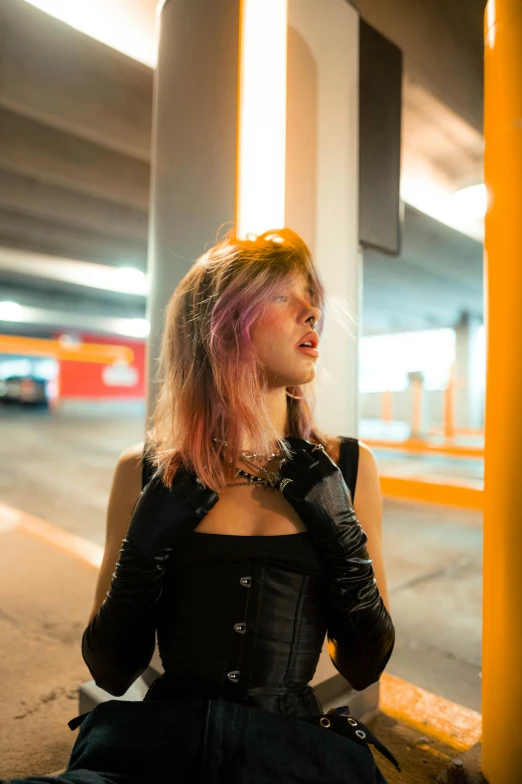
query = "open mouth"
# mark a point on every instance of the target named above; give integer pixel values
(307, 349)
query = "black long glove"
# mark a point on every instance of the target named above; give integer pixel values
(361, 635)
(119, 642)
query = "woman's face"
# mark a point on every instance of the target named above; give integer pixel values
(277, 335)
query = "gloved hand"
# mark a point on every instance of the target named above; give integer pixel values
(119, 642)
(360, 630)
(320, 496)
(164, 516)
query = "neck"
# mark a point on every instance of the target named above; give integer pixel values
(276, 407)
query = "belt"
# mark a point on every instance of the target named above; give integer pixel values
(170, 687)
(338, 720)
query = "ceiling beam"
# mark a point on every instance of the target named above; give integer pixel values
(27, 195)
(55, 157)
(55, 295)
(43, 236)
(61, 77)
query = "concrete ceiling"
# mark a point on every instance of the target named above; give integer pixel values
(441, 39)
(74, 173)
(437, 277)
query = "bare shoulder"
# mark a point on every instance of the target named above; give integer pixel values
(129, 462)
(366, 456)
(132, 454)
(368, 486)
(126, 487)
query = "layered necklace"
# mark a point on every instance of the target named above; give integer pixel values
(268, 478)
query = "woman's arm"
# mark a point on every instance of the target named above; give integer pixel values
(360, 645)
(119, 641)
(367, 504)
(115, 660)
(125, 491)
(361, 634)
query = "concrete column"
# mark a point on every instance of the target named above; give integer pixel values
(417, 406)
(322, 190)
(502, 615)
(194, 146)
(468, 363)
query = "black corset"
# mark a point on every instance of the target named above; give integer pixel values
(242, 618)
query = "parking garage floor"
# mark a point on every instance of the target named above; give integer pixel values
(60, 470)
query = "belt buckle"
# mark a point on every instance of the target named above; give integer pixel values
(340, 721)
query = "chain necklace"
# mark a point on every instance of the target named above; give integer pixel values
(254, 455)
(271, 478)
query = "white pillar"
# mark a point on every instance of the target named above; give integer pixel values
(417, 406)
(469, 400)
(194, 146)
(323, 188)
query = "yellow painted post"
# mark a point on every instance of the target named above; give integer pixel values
(448, 416)
(502, 608)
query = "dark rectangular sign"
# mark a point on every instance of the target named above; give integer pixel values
(380, 99)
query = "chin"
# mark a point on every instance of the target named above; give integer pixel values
(302, 377)
(302, 380)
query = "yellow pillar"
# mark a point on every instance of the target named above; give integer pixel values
(502, 611)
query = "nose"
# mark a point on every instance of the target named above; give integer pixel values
(312, 312)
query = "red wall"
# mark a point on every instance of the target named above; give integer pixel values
(93, 380)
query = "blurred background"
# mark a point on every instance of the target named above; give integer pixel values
(76, 98)
(74, 199)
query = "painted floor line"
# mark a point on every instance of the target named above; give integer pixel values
(77, 546)
(453, 724)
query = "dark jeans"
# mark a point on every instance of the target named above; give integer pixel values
(208, 742)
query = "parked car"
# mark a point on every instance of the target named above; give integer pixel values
(25, 390)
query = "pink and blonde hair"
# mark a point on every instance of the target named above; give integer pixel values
(209, 378)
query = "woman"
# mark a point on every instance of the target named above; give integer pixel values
(243, 550)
